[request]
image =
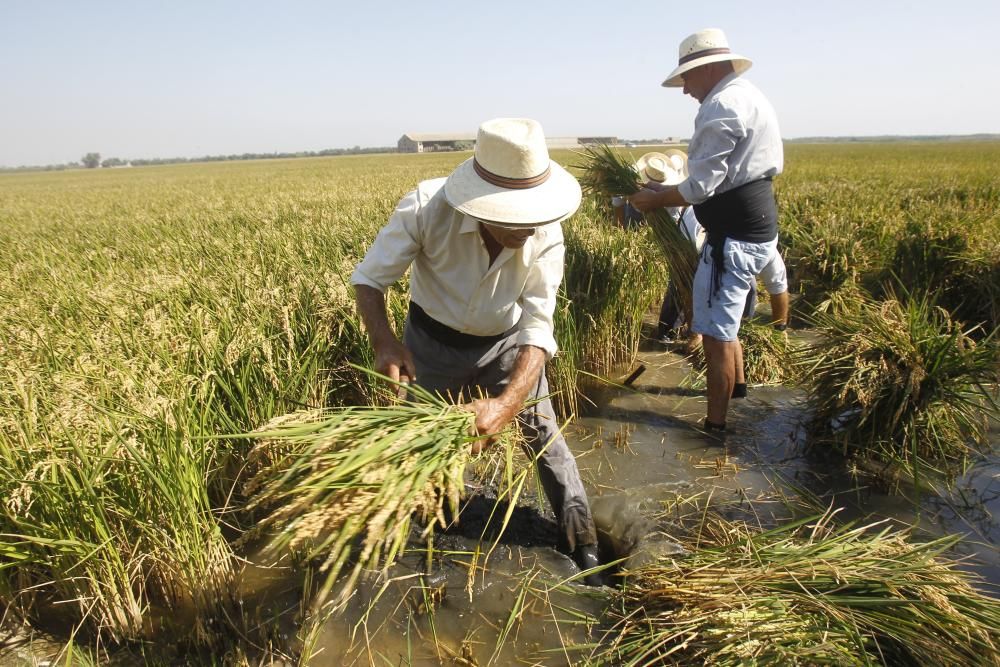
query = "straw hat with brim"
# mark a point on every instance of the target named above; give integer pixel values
(668, 167)
(511, 180)
(704, 47)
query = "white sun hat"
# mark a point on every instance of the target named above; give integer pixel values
(511, 180)
(668, 167)
(704, 47)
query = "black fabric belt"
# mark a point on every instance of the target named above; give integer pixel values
(445, 335)
(745, 213)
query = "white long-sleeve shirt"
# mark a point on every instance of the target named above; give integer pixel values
(451, 277)
(736, 140)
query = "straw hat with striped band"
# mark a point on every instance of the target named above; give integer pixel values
(704, 47)
(668, 167)
(511, 181)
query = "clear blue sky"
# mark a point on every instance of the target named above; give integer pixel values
(162, 79)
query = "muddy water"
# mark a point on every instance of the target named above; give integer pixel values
(636, 449)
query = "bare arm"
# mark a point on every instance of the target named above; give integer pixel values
(493, 414)
(391, 356)
(647, 199)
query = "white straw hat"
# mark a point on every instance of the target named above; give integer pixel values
(668, 168)
(511, 180)
(704, 47)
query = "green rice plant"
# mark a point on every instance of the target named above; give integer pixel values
(610, 279)
(341, 485)
(845, 208)
(806, 593)
(140, 316)
(563, 370)
(607, 173)
(901, 384)
(828, 261)
(60, 543)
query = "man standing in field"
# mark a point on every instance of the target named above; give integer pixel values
(486, 251)
(734, 153)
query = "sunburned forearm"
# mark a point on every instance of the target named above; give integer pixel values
(648, 199)
(392, 358)
(493, 414)
(671, 196)
(524, 377)
(371, 306)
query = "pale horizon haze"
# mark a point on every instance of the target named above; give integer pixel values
(184, 79)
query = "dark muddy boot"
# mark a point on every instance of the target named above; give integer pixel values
(714, 432)
(712, 426)
(586, 558)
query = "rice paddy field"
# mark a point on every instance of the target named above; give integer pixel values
(153, 319)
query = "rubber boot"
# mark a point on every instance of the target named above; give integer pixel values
(586, 558)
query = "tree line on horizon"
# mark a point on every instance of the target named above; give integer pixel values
(93, 160)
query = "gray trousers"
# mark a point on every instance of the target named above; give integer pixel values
(452, 371)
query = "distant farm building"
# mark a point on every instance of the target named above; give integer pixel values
(562, 142)
(427, 143)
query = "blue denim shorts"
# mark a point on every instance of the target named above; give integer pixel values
(775, 276)
(717, 313)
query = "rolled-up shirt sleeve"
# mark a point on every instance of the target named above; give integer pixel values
(717, 132)
(538, 300)
(394, 248)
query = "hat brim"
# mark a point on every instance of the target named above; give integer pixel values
(674, 80)
(553, 201)
(675, 176)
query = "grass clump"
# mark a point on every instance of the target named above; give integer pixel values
(902, 384)
(830, 260)
(804, 594)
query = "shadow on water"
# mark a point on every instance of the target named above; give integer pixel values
(482, 515)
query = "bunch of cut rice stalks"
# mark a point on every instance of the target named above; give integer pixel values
(804, 594)
(902, 385)
(607, 173)
(341, 485)
(767, 354)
